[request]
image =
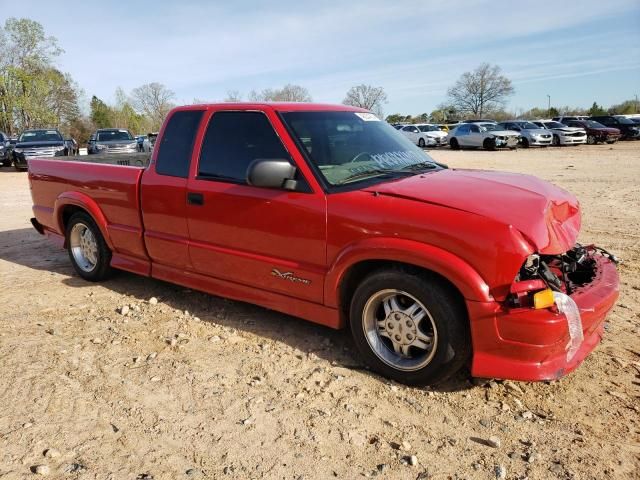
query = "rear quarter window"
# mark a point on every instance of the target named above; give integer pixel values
(176, 145)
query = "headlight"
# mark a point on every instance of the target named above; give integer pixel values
(101, 147)
(18, 150)
(59, 149)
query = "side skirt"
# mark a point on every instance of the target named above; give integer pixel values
(313, 312)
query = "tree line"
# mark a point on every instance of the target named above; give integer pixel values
(34, 93)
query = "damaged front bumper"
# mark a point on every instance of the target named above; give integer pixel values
(528, 344)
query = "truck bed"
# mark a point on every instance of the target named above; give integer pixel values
(127, 159)
(103, 183)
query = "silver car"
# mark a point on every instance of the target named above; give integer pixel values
(532, 134)
(562, 134)
(112, 140)
(487, 135)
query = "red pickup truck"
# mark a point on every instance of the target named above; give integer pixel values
(327, 213)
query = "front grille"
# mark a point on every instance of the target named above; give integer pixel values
(546, 136)
(121, 148)
(39, 152)
(578, 134)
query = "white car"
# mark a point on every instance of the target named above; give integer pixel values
(424, 134)
(562, 134)
(485, 135)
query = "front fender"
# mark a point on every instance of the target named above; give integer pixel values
(86, 203)
(466, 279)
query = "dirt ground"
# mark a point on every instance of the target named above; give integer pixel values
(196, 386)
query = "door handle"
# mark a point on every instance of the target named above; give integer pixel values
(195, 198)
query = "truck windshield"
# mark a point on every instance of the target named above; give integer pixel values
(107, 135)
(40, 136)
(352, 146)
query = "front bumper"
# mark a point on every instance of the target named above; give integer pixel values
(531, 345)
(540, 141)
(510, 142)
(572, 140)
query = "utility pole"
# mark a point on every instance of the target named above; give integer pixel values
(548, 105)
(636, 103)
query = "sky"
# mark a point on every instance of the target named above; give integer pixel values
(577, 52)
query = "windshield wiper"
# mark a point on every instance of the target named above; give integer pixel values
(373, 173)
(418, 166)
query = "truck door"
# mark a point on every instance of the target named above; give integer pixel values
(271, 239)
(164, 191)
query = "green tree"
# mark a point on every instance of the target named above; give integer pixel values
(33, 93)
(596, 110)
(101, 114)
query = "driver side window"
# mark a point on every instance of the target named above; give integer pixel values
(235, 139)
(474, 129)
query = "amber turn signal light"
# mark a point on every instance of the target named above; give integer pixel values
(543, 299)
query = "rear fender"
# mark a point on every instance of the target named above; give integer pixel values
(86, 203)
(464, 277)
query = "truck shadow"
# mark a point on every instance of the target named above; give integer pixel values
(27, 248)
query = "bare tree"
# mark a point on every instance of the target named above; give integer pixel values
(481, 91)
(154, 100)
(366, 96)
(288, 93)
(233, 96)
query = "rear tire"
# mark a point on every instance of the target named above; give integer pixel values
(453, 143)
(525, 143)
(409, 327)
(89, 253)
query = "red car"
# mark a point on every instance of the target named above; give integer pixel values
(329, 214)
(596, 132)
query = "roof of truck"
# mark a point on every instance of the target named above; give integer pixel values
(278, 106)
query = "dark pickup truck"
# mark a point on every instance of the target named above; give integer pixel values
(327, 213)
(40, 143)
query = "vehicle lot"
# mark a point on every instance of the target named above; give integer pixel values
(234, 391)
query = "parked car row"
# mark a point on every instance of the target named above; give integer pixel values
(490, 135)
(49, 142)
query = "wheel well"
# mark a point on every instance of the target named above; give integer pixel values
(67, 213)
(356, 274)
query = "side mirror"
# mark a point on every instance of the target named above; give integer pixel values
(272, 174)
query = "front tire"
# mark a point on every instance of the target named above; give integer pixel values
(421, 143)
(89, 253)
(408, 327)
(453, 143)
(556, 141)
(489, 144)
(591, 140)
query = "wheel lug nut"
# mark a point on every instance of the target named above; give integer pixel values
(409, 337)
(390, 326)
(397, 316)
(398, 338)
(409, 323)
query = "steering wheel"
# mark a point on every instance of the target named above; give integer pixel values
(355, 159)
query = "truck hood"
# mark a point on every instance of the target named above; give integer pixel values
(548, 216)
(51, 143)
(116, 142)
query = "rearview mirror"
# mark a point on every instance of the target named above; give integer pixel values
(272, 174)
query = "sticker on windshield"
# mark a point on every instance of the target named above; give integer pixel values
(367, 117)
